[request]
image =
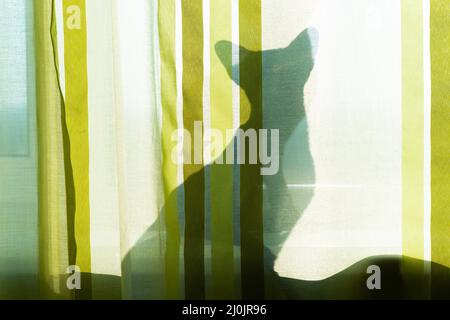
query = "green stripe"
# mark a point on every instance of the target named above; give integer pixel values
(413, 128)
(166, 17)
(76, 116)
(50, 168)
(440, 131)
(194, 186)
(251, 212)
(222, 263)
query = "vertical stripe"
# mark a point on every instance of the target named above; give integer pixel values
(440, 130)
(139, 150)
(192, 24)
(221, 174)
(166, 12)
(50, 165)
(251, 213)
(413, 128)
(104, 218)
(59, 27)
(76, 113)
(180, 169)
(236, 94)
(120, 158)
(207, 142)
(426, 135)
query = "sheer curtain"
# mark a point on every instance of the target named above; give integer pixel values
(120, 131)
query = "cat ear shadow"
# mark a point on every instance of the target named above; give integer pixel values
(306, 42)
(225, 50)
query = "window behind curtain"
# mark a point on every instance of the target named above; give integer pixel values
(18, 157)
(15, 47)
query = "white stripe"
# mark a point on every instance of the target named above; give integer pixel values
(104, 217)
(427, 131)
(138, 155)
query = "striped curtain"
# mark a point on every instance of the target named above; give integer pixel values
(224, 149)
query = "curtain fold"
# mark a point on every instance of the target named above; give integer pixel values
(53, 226)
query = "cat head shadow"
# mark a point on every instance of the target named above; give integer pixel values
(285, 72)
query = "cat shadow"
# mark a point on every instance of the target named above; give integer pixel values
(275, 103)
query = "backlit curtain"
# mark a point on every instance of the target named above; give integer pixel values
(120, 131)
